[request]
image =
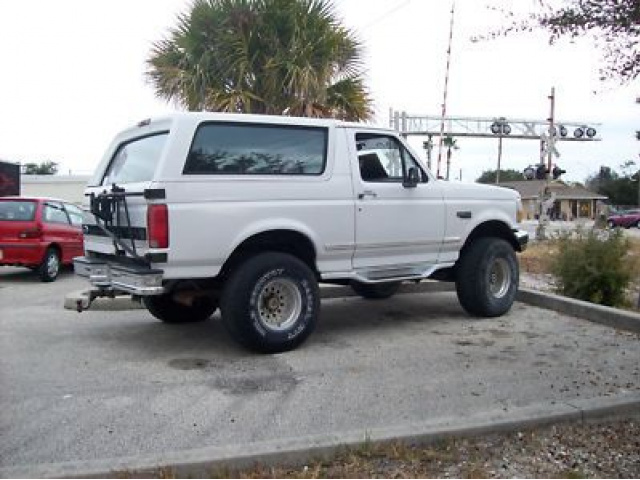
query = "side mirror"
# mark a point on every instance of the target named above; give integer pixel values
(412, 179)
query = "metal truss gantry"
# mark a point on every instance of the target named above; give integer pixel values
(491, 127)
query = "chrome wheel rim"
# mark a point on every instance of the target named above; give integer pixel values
(279, 304)
(53, 265)
(499, 278)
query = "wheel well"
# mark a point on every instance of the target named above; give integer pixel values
(285, 241)
(56, 247)
(493, 228)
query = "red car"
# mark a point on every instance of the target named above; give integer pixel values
(39, 233)
(626, 219)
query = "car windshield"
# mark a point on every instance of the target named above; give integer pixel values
(135, 161)
(17, 210)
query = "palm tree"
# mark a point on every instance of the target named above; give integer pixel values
(451, 144)
(283, 57)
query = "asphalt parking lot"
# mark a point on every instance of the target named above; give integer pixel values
(111, 384)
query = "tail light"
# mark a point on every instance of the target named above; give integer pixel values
(31, 233)
(158, 226)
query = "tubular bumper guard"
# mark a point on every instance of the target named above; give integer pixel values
(136, 280)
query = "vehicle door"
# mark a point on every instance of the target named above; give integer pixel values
(400, 224)
(57, 228)
(76, 216)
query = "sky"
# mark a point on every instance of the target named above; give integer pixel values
(72, 76)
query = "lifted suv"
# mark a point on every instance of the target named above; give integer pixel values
(249, 213)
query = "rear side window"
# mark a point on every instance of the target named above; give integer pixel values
(17, 210)
(248, 149)
(136, 160)
(54, 213)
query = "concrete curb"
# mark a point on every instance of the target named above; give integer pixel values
(205, 462)
(608, 316)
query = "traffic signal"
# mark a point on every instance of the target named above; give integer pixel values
(541, 171)
(557, 172)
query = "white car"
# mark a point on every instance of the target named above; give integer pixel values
(249, 213)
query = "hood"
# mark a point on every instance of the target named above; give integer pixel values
(455, 190)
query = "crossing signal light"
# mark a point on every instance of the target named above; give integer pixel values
(541, 172)
(557, 172)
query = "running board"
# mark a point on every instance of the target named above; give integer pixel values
(393, 274)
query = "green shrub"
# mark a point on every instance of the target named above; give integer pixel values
(591, 265)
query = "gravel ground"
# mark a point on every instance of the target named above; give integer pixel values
(598, 450)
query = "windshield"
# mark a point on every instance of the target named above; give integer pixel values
(17, 210)
(136, 160)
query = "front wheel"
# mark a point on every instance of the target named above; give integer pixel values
(487, 277)
(166, 309)
(271, 302)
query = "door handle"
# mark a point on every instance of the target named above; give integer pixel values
(367, 193)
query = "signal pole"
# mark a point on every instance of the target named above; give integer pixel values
(552, 133)
(546, 196)
(446, 86)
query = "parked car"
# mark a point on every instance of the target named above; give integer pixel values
(39, 233)
(626, 219)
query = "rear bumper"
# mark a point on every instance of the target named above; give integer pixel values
(136, 280)
(22, 254)
(522, 238)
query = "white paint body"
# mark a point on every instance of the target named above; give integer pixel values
(390, 232)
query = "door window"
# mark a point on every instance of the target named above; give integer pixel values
(383, 158)
(75, 214)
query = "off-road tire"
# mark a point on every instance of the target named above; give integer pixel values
(49, 269)
(166, 309)
(375, 291)
(487, 277)
(271, 302)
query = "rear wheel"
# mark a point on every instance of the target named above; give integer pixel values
(50, 267)
(487, 277)
(611, 224)
(375, 291)
(271, 302)
(165, 308)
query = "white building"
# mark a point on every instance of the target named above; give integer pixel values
(64, 187)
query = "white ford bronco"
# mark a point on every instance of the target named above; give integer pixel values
(249, 213)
